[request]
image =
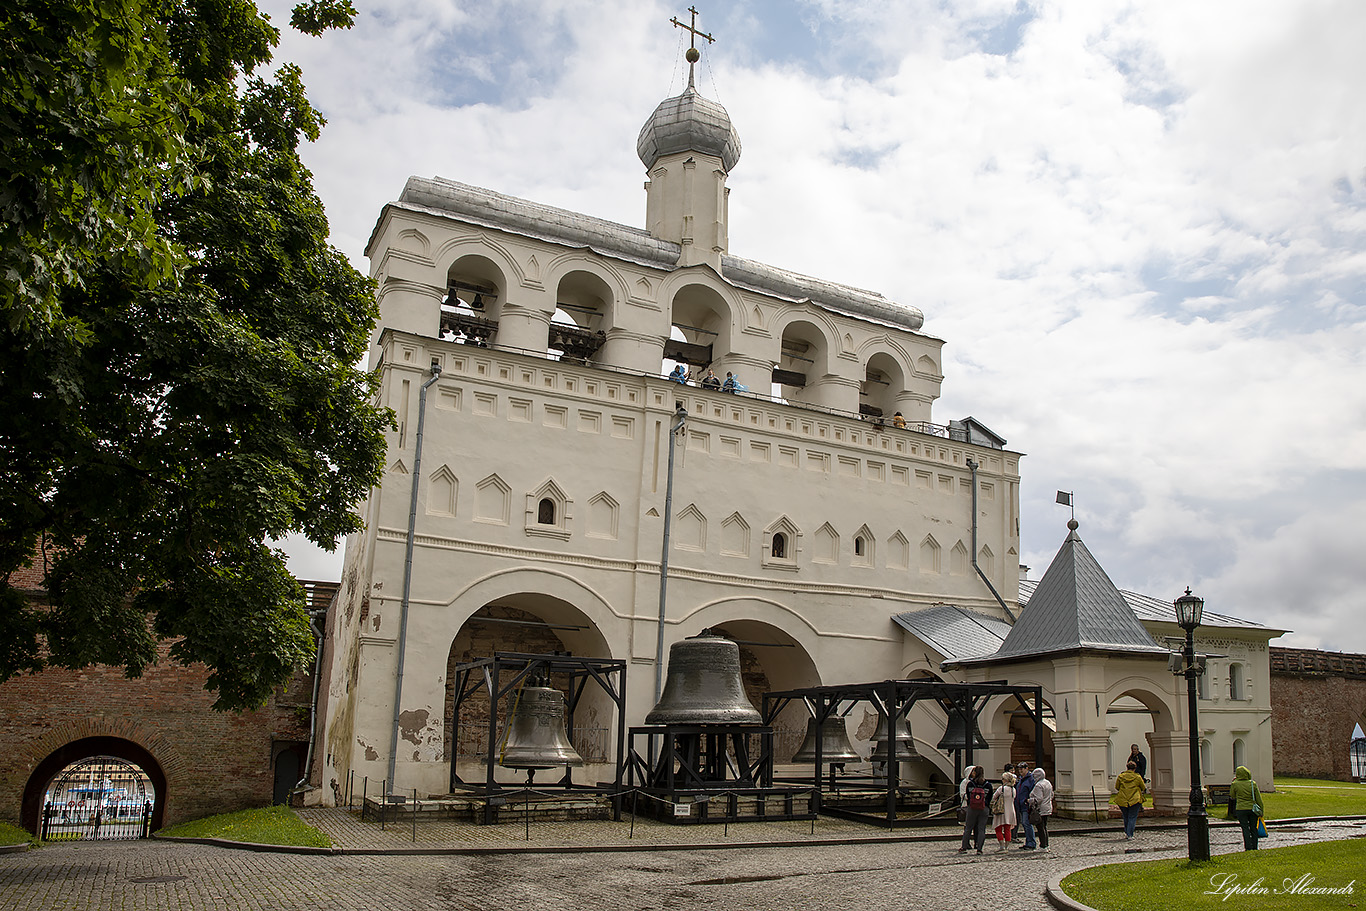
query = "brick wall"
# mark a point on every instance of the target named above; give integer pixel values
(1316, 699)
(213, 762)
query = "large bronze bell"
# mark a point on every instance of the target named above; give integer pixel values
(704, 684)
(536, 736)
(835, 746)
(954, 734)
(905, 744)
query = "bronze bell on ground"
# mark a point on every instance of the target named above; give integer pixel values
(835, 746)
(536, 736)
(905, 744)
(704, 684)
(954, 739)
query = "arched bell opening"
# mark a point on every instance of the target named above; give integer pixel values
(472, 307)
(699, 332)
(880, 390)
(803, 361)
(773, 661)
(583, 314)
(115, 778)
(537, 624)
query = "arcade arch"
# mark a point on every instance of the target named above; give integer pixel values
(771, 660)
(532, 623)
(475, 293)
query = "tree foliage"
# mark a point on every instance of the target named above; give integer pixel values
(176, 360)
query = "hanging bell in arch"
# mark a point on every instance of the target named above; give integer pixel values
(955, 734)
(536, 737)
(905, 743)
(704, 685)
(835, 746)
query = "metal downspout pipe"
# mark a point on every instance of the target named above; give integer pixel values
(682, 417)
(313, 618)
(408, 568)
(972, 466)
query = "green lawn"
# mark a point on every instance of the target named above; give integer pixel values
(266, 826)
(1268, 879)
(1296, 797)
(13, 835)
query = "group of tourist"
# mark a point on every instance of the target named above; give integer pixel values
(1019, 805)
(682, 376)
(1022, 800)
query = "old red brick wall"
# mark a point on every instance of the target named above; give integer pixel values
(1316, 699)
(213, 762)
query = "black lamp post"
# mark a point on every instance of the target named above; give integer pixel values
(1188, 611)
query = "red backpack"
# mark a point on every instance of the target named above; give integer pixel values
(977, 797)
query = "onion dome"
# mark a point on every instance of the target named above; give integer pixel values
(689, 123)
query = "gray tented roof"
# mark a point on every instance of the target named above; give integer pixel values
(955, 632)
(1076, 606)
(445, 198)
(688, 123)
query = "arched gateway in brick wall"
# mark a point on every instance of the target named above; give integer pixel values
(200, 762)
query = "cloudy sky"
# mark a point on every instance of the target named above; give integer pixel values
(1140, 227)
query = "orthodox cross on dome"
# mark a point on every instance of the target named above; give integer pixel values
(693, 54)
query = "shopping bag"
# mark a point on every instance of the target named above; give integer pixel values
(1261, 827)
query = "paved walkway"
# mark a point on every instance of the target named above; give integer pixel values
(856, 875)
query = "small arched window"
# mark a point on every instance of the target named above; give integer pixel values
(859, 546)
(1206, 760)
(545, 513)
(779, 550)
(1239, 753)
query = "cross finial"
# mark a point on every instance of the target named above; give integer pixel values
(693, 54)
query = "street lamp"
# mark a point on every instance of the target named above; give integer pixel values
(1188, 611)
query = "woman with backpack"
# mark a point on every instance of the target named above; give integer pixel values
(977, 796)
(1003, 810)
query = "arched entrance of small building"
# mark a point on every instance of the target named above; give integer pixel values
(76, 775)
(772, 661)
(1014, 716)
(527, 623)
(1136, 715)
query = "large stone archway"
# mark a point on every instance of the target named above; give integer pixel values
(76, 750)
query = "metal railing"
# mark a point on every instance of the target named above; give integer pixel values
(942, 431)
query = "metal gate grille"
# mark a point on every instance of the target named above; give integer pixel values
(100, 797)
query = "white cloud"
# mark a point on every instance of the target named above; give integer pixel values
(1139, 227)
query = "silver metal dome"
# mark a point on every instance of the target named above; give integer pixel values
(689, 123)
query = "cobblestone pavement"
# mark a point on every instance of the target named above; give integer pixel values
(907, 874)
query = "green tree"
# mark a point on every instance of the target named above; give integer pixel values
(176, 360)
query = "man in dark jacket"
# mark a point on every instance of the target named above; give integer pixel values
(1139, 760)
(1022, 791)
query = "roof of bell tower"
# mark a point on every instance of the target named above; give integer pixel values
(689, 123)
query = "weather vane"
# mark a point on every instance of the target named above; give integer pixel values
(693, 54)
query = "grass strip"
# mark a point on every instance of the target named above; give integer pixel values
(13, 835)
(264, 826)
(1268, 879)
(1296, 797)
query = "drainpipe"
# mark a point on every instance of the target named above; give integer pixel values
(682, 417)
(313, 618)
(408, 568)
(972, 466)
